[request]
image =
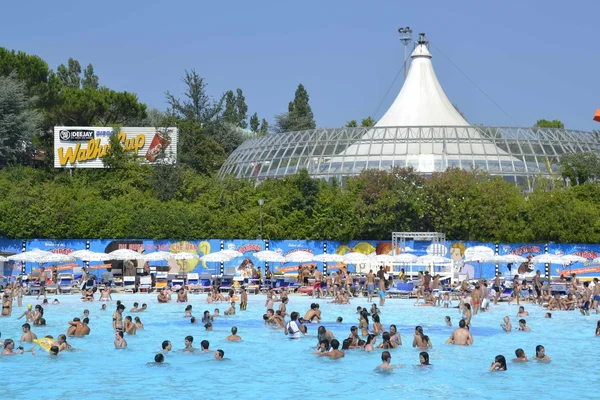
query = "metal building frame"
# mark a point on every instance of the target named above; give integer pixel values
(399, 241)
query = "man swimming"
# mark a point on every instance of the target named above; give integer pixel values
(521, 356)
(523, 326)
(166, 346)
(334, 353)
(219, 354)
(204, 345)
(461, 336)
(130, 326)
(522, 312)
(28, 336)
(188, 342)
(234, 337)
(386, 359)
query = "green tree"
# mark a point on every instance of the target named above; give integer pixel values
(388, 202)
(299, 115)
(254, 123)
(264, 127)
(367, 122)
(70, 75)
(90, 79)
(197, 104)
(199, 107)
(116, 157)
(197, 150)
(88, 107)
(351, 124)
(18, 122)
(579, 168)
(236, 110)
(31, 70)
(543, 123)
(241, 108)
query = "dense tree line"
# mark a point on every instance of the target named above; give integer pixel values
(141, 201)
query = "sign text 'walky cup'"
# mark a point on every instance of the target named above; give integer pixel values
(84, 146)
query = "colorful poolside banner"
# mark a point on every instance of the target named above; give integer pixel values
(244, 266)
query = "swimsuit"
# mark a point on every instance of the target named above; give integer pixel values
(370, 287)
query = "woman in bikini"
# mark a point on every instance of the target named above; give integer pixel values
(377, 327)
(395, 336)
(7, 304)
(363, 322)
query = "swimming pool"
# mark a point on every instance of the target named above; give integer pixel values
(266, 364)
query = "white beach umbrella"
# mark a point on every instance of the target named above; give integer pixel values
(124, 254)
(572, 258)
(328, 258)
(383, 259)
(3, 259)
(55, 258)
(29, 256)
(274, 258)
(479, 251)
(157, 256)
(429, 259)
(265, 255)
(184, 255)
(86, 255)
(405, 258)
(219, 256)
(299, 256)
(496, 259)
(548, 259)
(513, 258)
(356, 258)
(232, 253)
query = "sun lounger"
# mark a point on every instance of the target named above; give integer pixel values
(128, 284)
(145, 283)
(401, 290)
(161, 281)
(65, 283)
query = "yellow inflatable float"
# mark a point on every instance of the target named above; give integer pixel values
(44, 343)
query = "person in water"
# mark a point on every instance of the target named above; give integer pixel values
(424, 358)
(334, 353)
(234, 337)
(540, 354)
(520, 356)
(386, 359)
(499, 364)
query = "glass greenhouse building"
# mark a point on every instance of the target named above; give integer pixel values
(421, 129)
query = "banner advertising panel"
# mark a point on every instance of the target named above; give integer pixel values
(463, 265)
(585, 269)
(84, 146)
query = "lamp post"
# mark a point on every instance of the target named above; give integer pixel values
(405, 38)
(260, 206)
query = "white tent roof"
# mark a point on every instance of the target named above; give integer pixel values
(422, 101)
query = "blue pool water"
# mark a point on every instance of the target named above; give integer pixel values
(268, 365)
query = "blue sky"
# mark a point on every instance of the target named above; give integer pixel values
(536, 59)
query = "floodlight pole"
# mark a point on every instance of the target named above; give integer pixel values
(261, 202)
(405, 38)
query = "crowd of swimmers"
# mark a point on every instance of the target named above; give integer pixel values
(369, 333)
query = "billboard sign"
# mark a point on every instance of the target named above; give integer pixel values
(84, 146)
